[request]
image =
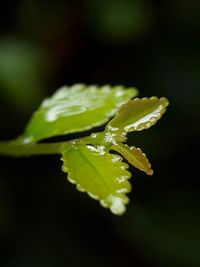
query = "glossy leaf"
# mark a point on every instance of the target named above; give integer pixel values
(138, 114)
(134, 156)
(102, 175)
(74, 109)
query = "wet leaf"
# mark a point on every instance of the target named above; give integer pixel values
(74, 109)
(134, 156)
(138, 114)
(102, 175)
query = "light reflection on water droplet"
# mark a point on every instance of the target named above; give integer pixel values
(93, 196)
(27, 140)
(98, 149)
(63, 110)
(117, 205)
(122, 190)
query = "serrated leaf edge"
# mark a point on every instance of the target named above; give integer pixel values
(118, 89)
(141, 126)
(116, 200)
(141, 157)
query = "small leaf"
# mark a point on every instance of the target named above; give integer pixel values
(138, 114)
(134, 156)
(102, 175)
(74, 109)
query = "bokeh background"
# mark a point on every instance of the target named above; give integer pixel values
(153, 45)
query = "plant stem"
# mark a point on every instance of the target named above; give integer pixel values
(19, 150)
(16, 148)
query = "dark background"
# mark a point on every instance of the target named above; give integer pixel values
(153, 45)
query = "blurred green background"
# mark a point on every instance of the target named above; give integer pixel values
(153, 45)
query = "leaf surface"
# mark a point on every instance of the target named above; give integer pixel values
(135, 157)
(102, 175)
(138, 114)
(74, 109)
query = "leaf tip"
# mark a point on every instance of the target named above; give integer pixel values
(116, 204)
(164, 101)
(150, 172)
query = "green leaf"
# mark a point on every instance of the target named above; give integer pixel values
(138, 114)
(134, 156)
(74, 109)
(102, 175)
